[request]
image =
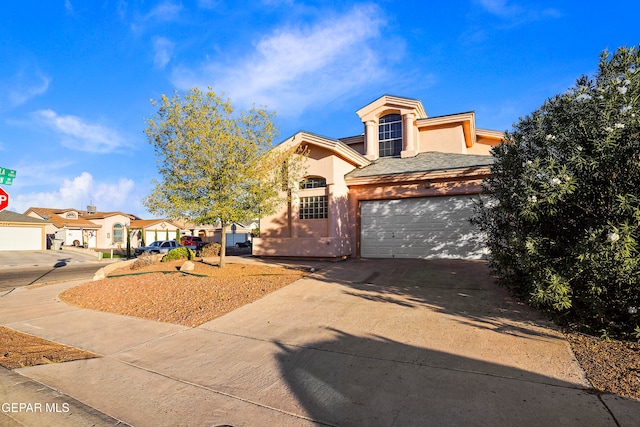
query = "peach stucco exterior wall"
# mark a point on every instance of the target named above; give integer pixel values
(446, 139)
(284, 234)
(483, 146)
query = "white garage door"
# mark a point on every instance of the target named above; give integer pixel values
(21, 239)
(430, 227)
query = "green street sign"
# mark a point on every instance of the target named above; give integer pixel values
(9, 173)
(5, 180)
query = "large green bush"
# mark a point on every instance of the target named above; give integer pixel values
(564, 220)
(178, 253)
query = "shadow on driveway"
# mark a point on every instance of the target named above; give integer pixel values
(355, 381)
(434, 342)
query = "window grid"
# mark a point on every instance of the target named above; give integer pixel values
(313, 207)
(390, 135)
(313, 182)
(117, 233)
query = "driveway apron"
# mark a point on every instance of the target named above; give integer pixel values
(359, 342)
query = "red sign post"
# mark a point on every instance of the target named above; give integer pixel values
(4, 199)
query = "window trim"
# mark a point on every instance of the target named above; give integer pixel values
(390, 135)
(120, 230)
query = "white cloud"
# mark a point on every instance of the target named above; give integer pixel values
(208, 4)
(163, 48)
(22, 87)
(164, 12)
(68, 6)
(79, 135)
(81, 191)
(499, 7)
(293, 69)
(516, 13)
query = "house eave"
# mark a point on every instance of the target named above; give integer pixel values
(447, 174)
(466, 120)
(339, 148)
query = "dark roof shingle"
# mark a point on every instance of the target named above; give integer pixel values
(424, 162)
(9, 216)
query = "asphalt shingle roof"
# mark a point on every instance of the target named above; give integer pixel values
(9, 216)
(424, 162)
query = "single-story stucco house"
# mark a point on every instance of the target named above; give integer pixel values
(149, 230)
(103, 230)
(69, 227)
(404, 188)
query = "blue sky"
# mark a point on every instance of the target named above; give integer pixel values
(76, 76)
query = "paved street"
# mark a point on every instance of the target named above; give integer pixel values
(24, 268)
(13, 259)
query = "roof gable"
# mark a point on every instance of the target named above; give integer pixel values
(336, 147)
(388, 104)
(146, 223)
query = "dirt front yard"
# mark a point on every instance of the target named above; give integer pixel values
(166, 295)
(162, 294)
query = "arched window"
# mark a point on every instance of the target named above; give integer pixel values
(313, 182)
(117, 233)
(390, 135)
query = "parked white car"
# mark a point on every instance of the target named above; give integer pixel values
(157, 247)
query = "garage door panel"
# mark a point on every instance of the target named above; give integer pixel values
(435, 227)
(20, 238)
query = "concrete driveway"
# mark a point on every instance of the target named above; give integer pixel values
(359, 343)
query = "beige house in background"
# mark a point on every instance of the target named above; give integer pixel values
(150, 230)
(69, 226)
(404, 188)
(101, 230)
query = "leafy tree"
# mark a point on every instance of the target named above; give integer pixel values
(563, 222)
(216, 163)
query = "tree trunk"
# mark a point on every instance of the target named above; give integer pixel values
(223, 244)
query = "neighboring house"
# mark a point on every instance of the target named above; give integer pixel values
(150, 230)
(92, 229)
(205, 231)
(236, 233)
(404, 188)
(21, 232)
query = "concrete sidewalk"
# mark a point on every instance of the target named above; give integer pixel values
(360, 342)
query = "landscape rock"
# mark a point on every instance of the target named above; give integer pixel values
(187, 266)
